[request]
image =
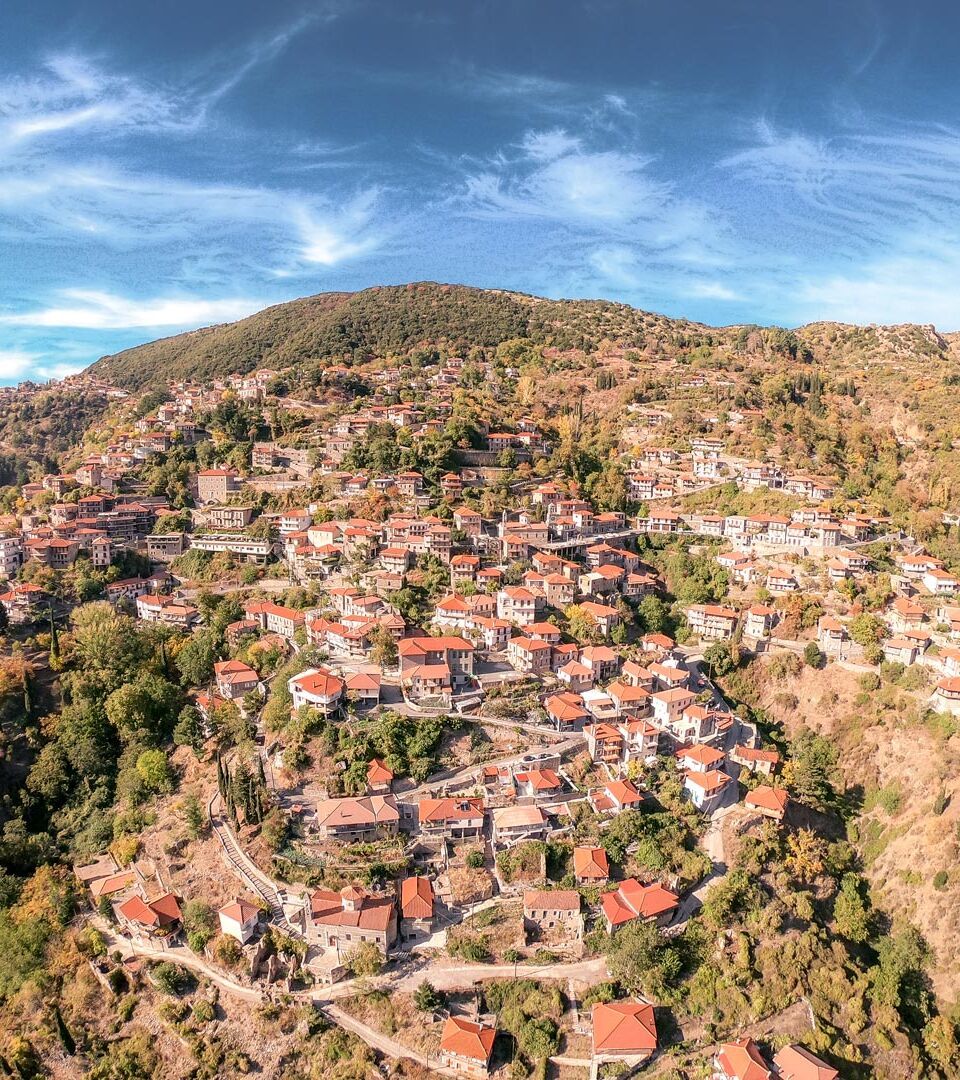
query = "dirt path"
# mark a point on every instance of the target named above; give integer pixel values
(376, 1039)
(712, 844)
(178, 954)
(461, 976)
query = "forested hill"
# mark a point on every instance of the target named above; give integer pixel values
(381, 320)
(396, 319)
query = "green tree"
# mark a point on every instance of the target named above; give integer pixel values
(811, 767)
(196, 659)
(193, 815)
(171, 978)
(383, 649)
(850, 910)
(867, 629)
(812, 655)
(155, 772)
(580, 625)
(364, 960)
(427, 998)
(718, 657)
(643, 961)
(144, 709)
(188, 730)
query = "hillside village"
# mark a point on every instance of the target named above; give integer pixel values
(454, 722)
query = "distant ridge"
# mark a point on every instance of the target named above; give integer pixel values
(394, 319)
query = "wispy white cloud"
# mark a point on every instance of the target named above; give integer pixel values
(90, 310)
(879, 200)
(611, 194)
(15, 364)
(261, 53)
(555, 178)
(75, 95)
(63, 189)
(342, 234)
(549, 145)
(714, 290)
(72, 93)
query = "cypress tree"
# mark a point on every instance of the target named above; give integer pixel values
(66, 1039)
(54, 636)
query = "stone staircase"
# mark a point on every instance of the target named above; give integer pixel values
(245, 869)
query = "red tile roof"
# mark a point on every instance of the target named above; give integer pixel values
(631, 900)
(741, 1060)
(591, 863)
(623, 1027)
(416, 898)
(467, 1039)
(797, 1063)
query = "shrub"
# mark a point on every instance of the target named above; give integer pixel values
(940, 879)
(812, 655)
(365, 960)
(203, 1012)
(475, 860)
(427, 998)
(471, 947)
(227, 951)
(126, 1007)
(171, 978)
(173, 1012)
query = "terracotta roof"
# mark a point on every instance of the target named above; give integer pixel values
(566, 706)
(239, 910)
(751, 753)
(378, 773)
(591, 862)
(363, 680)
(741, 1060)
(450, 809)
(234, 671)
(371, 912)
(540, 779)
(551, 900)
(367, 810)
(701, 754)
(416, 898)
(797, 1063)
(162, 911)
(112, 884)
(467, 1039)
(631, 900)
(624, 792)
(768, 798)
(712, 780)
(319, 683)
(623, 1027)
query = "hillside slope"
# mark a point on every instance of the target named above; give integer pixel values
(395, 319)
(383, 320)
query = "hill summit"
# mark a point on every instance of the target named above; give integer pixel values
(396, 319)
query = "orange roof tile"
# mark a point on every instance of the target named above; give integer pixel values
(623, 1027)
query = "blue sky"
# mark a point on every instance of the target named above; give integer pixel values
(168, 165)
